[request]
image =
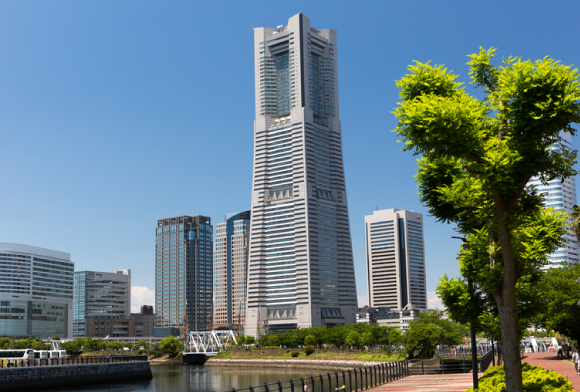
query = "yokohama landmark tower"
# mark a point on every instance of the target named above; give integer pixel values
(300, 270)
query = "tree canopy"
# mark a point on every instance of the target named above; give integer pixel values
(560, 296)
(478, 156)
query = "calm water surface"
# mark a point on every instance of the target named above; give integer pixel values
(179, 378)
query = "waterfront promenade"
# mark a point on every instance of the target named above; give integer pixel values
(429, 383)
(549, 361)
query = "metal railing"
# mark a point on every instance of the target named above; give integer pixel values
(9, 363)
(352, 380)
(459, 364)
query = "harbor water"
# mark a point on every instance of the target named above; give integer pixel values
(178, 378)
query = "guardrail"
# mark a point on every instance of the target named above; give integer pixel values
(449, 365)
(352, 380)
(71, 361)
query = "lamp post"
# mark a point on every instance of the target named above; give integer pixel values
(474, 368)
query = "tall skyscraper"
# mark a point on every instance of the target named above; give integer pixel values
(183, 274)
(561, 196)
(230, 270)
(36, 292)
(100, 295)
(395, 259)
(301, 270)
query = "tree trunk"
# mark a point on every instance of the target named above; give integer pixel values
(506, 303)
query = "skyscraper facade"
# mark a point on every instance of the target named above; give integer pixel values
(561, 196)
(395, 259)
(300, 271)
(230, 270)
(183, 273)
(36, 292)
(100, 295)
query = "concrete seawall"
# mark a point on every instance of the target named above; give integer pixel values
(291, 363)
(35, 378)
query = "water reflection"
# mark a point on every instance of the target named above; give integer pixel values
(179, 378)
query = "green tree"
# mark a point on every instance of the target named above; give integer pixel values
(478, 157)
(241, 340)
(560, 296)
(352, 339)
(310, 340)
(449, 333)
(171, 345)
(73, 347)
(250, 340)
(422, 338)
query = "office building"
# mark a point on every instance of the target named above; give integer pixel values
(395, 259)
(300, 270)
(36, 292)
(144, 321)
(99, 296)
(183, 274)
(561, 196)
(230, 268)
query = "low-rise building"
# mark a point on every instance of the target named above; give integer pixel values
(386, 317)
(144, 321)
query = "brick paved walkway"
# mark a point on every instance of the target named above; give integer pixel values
(549, 361)
(429, 383)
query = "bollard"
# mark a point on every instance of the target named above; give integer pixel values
(321, 383)
(266, 389)
(422, 368)
(279, 386)
(330, 383)
(312, 379)
(251, 388)
(292, 386)
(302, 384)
(355, 382)
(349, 382)
(443, 365)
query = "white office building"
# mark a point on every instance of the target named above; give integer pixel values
(36, 292)
(300, 271)
(395, 259)
(561, 196)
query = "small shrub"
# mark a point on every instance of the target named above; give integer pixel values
(308, 350)
(535, 379)
(222, 354)
(294, 354)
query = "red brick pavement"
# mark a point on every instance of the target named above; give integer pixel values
(429, 383)
(550, 361)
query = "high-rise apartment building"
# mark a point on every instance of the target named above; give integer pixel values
(102, 296)
(36, 292)
(300, 271)
(561, 196)
(230, 270)
(183, 274)
(395, 259)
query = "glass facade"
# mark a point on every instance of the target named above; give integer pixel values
(300, 269)
(100, 295)
(184, 273)
(230, 270)
(36, 292)
(561, 195)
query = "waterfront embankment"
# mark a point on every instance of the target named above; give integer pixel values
(38, 378)
(290, 363)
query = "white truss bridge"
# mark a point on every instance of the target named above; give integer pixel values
(208, 343)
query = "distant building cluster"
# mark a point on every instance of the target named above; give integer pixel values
(284, 263)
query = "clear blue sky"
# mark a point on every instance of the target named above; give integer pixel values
(114, 114)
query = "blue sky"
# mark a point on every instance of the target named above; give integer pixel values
(114, 114)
